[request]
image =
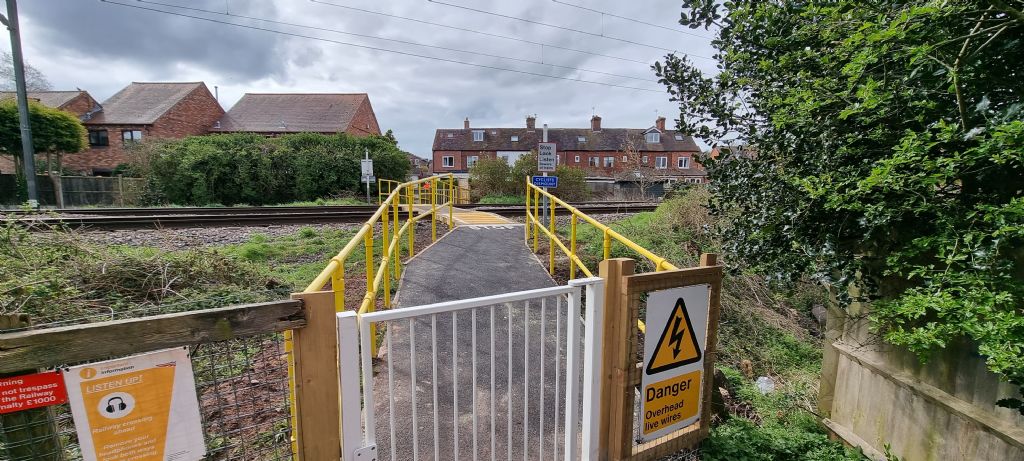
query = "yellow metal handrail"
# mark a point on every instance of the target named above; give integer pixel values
(533, 225)
(421, 197)
(437, 191)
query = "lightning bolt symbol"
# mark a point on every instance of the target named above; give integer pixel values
(676, 338)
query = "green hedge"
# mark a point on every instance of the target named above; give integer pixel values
(251, 169)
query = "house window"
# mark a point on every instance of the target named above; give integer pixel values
(451, 135)
(581, 139)
(624, 159)
(661, 163)
(683, 162)
(679, 137)
(129, 136)
(595, 161)
(471, 160)
(653, 137)
(577, 159)
(644, 159)
(515, 138)
(478, 135)
(693, 180)
(448, 161)
(558, 159)
(609, 162)
(98, 138)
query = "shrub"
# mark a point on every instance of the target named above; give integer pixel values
(248, 168)
(494, 176)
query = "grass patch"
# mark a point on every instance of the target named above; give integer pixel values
(502, 200)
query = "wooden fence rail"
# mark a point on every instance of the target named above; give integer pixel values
(48, 348)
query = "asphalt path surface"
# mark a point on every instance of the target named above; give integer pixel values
(471, 262)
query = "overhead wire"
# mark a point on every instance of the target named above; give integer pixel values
(406, 42)
(474, 31)
(386, 50)
(570, 29)
(638, 21)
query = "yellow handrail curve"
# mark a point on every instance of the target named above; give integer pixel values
(426, 191)
(533, 195)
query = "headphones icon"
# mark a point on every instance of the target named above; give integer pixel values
(121, 406)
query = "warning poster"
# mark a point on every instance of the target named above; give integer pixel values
(139, 408)
(677, 322)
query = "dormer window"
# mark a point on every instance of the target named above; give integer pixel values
(478, 135)
(515, 138)
(679, 137)
(654, 137)
(451, 135)
(581, 139)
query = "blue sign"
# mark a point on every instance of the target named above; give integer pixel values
(545, 181)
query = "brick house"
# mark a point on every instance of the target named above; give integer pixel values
(140, 111)
(273, 114)
(78, 102)
(608, 154)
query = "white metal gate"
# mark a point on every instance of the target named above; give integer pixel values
(497, 377)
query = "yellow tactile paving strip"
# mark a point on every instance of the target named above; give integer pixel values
(463, 217)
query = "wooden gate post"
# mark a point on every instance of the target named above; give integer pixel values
(29, 434)
(613, 415)
(317, 388)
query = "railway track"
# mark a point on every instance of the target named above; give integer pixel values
(131, 218)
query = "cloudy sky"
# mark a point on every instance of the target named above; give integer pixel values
(319, 46)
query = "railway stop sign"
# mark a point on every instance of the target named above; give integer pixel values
(547, 157)
(672, 382)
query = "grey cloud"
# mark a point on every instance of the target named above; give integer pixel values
(154, 40)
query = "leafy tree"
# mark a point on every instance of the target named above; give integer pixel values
(34, 79)
(54, 133)
(890, 155)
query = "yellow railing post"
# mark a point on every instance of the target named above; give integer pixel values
(433, 211)
(551, 242)
(607, 245)
(368, 243)
(451, 202)
(572, 247)
(536, 216)
(412, 224)
(338, 286)
(526, 224)
(395, 237)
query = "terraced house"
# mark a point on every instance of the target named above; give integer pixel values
(608, 154)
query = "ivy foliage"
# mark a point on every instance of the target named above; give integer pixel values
(889, 154)
(251, 169)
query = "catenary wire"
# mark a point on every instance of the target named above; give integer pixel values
(474, 31)
(570, 29)
(406, 42)
(638, 21)
(386, 50)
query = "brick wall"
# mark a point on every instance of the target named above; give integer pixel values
(364, 123)
(80, 105)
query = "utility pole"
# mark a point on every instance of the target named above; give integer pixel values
(27, 151)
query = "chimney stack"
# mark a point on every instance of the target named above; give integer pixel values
(465, 124)
(595, 123)
(531, 122)
(660, 123)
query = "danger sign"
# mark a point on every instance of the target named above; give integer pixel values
(674, 344)
(36, 390)
(138, 408)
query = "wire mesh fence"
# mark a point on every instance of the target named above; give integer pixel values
(242, 387)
